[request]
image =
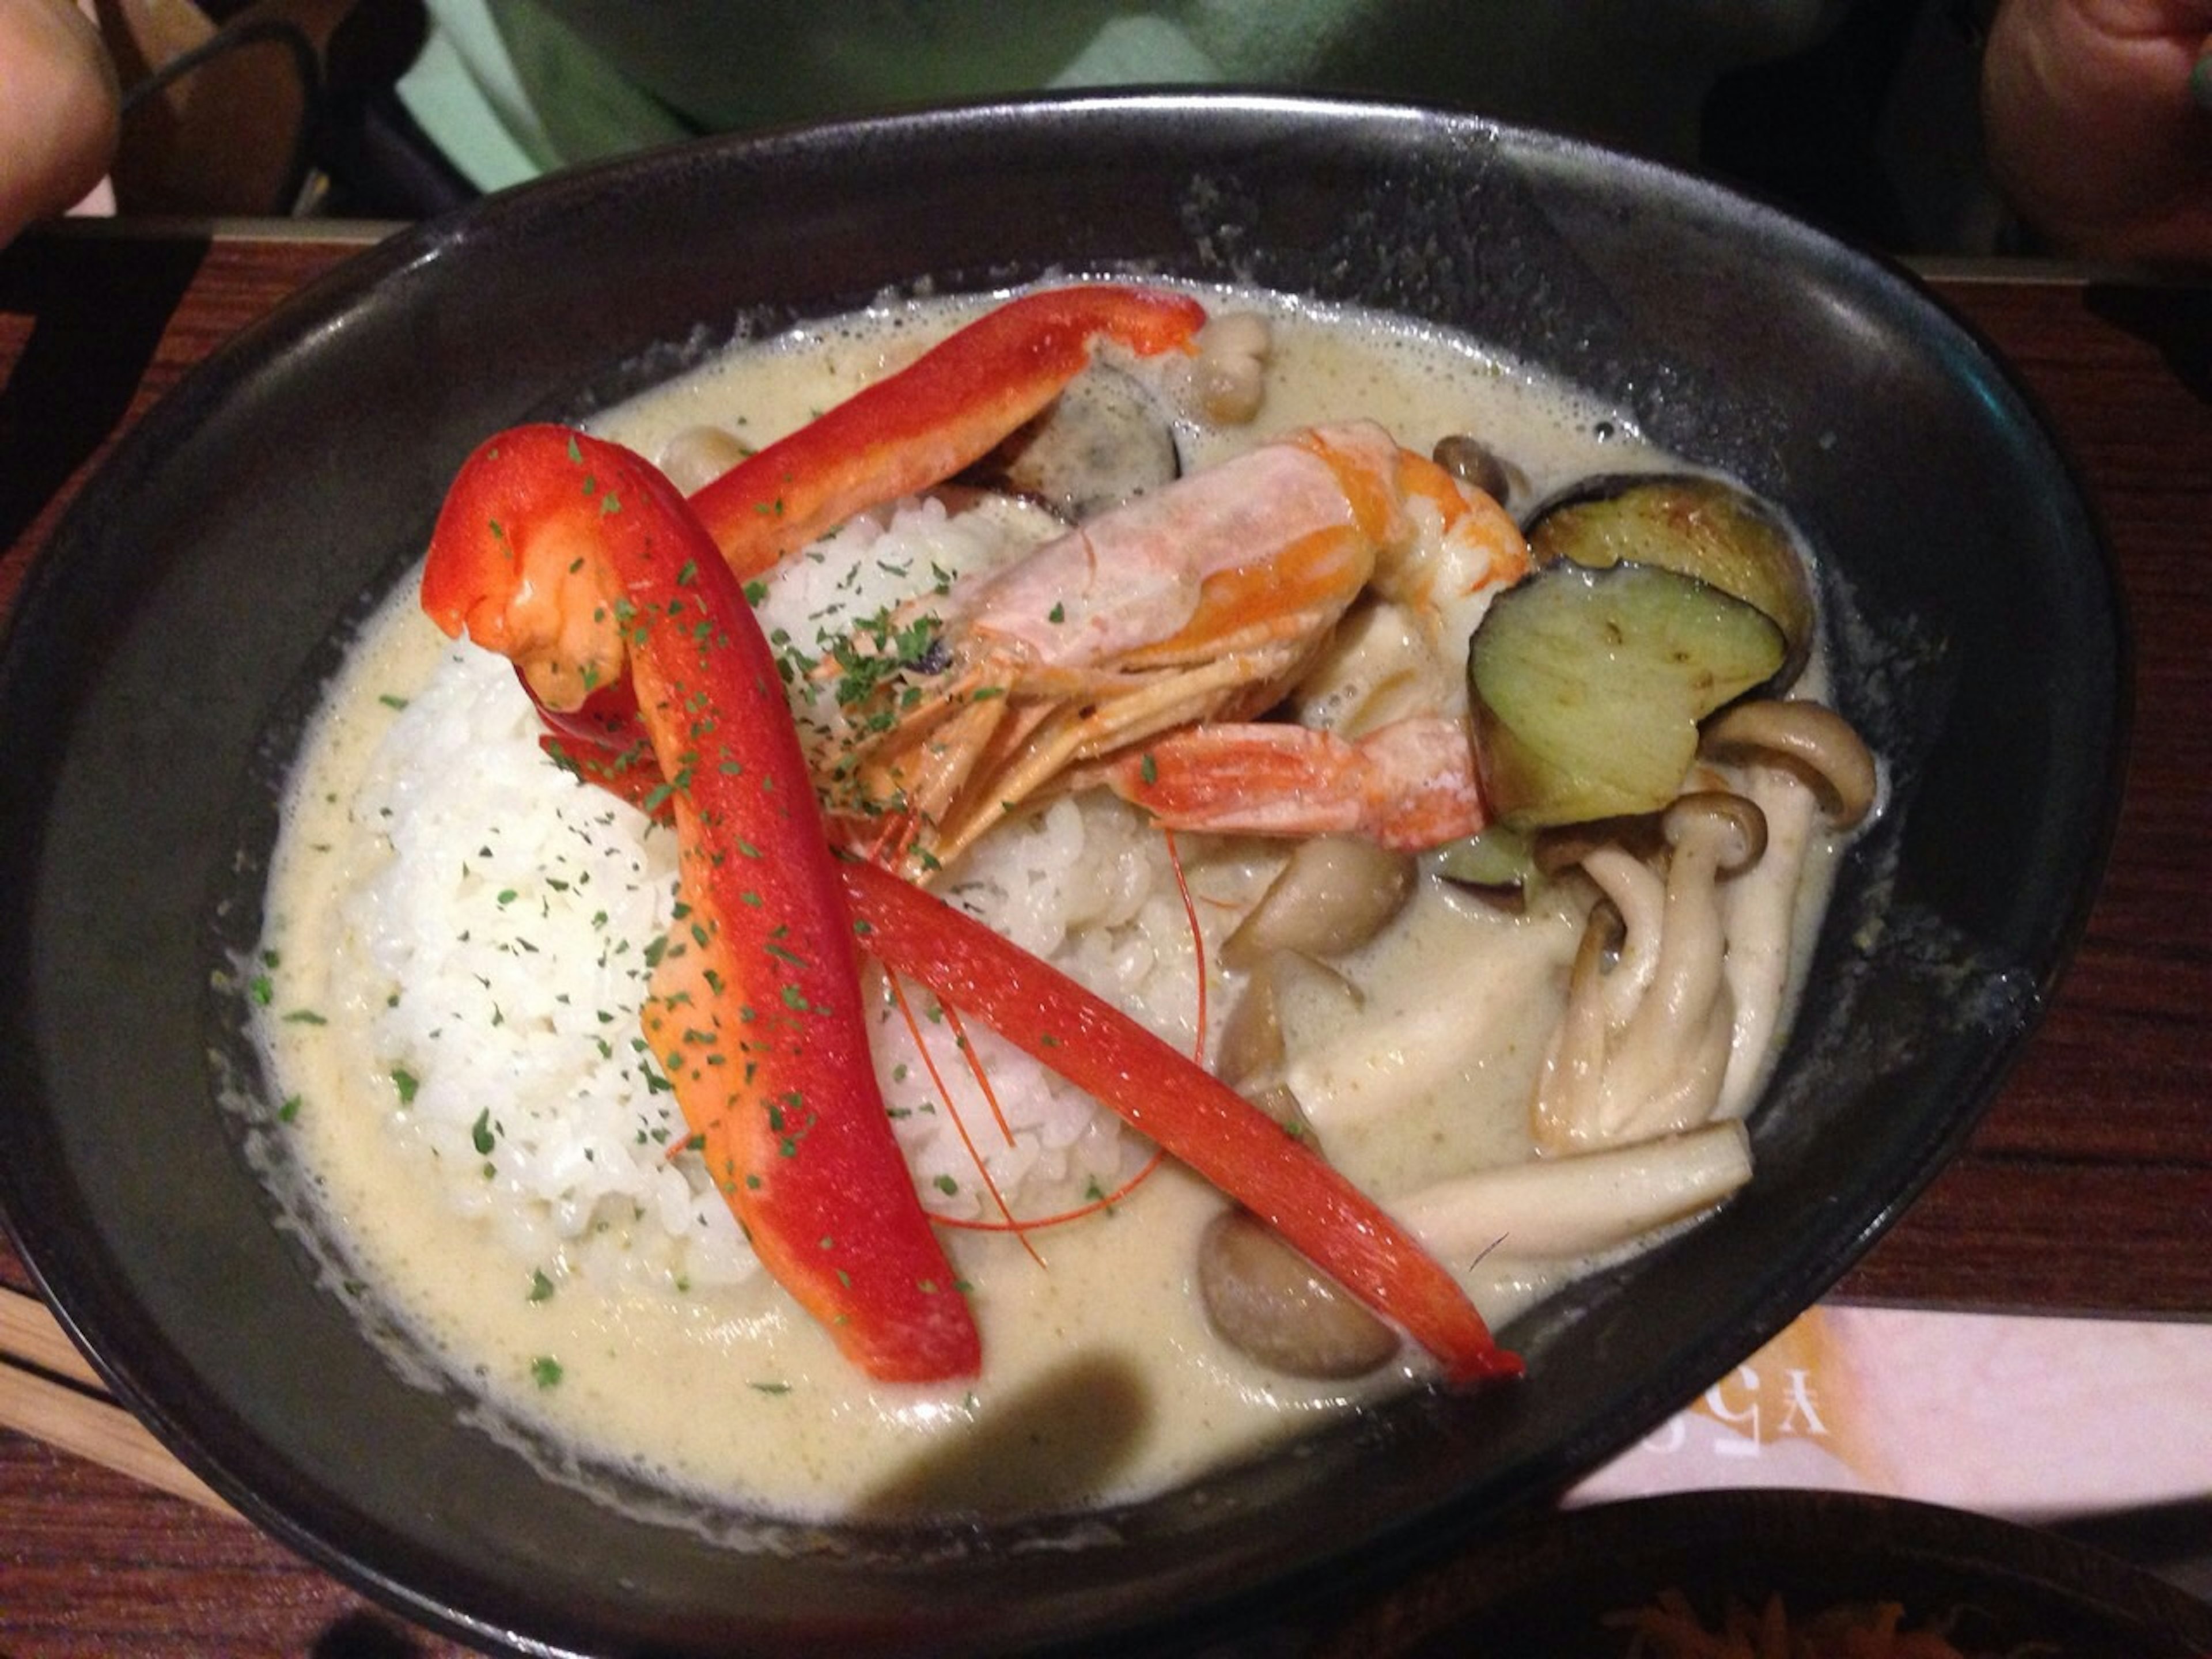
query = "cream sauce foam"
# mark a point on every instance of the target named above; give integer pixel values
(1103, 1381)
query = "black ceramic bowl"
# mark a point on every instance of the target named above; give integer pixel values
(1548, 1588)
(164, 650)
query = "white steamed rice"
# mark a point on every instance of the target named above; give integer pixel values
(508, 932)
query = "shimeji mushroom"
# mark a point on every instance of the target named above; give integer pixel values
(1654, 1045)
(1622, 1114)
(695, 456)
(1274, 1306)
(1655, 1066)
(1555, 1208)
(1252, 1055)
(1334, 893)
(1225, 380)
(1803, 763)
(1812, 740)
(1679, 1027)
(1470, 460)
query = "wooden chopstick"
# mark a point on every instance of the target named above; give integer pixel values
(29, 1334)
(43, 1382)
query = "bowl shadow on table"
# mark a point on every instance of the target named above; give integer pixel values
(91, 344)
(2176, 323)
(366, 1636)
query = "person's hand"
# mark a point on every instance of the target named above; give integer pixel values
(2098, 120)
(59, 109)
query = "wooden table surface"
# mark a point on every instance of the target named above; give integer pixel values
(2088, 1189)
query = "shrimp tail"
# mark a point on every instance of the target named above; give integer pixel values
(1409, 785)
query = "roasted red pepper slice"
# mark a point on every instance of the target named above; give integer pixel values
(1196, 1117)
(947, 410)
(916, 427)
(579, 561)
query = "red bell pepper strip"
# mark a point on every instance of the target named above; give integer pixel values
(944, 412)
(947, 410)
(1195, 1116)
(1210, 1126)
(579, 561)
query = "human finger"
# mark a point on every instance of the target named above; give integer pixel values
(59, 110)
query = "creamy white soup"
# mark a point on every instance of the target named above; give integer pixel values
(458, 944)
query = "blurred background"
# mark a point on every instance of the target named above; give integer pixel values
(1860, 115)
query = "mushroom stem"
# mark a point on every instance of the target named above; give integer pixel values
(1559, 1207)
(1638, 896)
(1799, 762)
(1710, 833)
(1655, 1062)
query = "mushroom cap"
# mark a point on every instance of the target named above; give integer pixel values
(1736, 827)
(1471, 461)
(1333, 895)
(1270, 1303)
(1817, 739)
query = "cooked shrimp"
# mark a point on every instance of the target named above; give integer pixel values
(1166, 622)
(1187, 611)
